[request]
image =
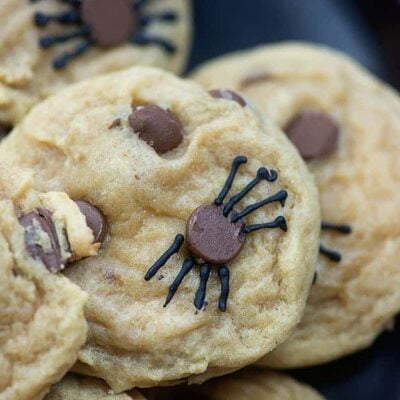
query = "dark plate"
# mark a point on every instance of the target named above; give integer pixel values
(368, 31)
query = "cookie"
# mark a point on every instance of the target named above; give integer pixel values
(74, 387)
(213, 224)
(42, 324)
(48, 44)
(249, 384)
(346, 124)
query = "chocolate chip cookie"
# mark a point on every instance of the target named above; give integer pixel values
(346, 124)
(46, 45)
(213, 224)
(42, 324)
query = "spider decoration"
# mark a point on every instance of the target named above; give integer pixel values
(315, 134)
(216, 233)
(103, 23)
(332, 254)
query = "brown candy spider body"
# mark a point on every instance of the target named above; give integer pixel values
(103, 23)
(216, 233)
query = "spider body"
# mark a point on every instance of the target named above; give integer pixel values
(216, 234)
(102, 23)
(212, 237)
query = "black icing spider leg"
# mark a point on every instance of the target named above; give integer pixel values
(62, 60)
(65, 18)
(279, 222)
(262, 173)
(49, 41)
(223, 274)
(72, 2)
(332, 254)
(186, 267)
(167, 16)
(205, 270)
(142, 38)
(231, 177)
(280, 197)
(138, 4)
(174, 248)
(345, 229)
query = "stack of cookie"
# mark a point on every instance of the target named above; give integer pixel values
(158, 232)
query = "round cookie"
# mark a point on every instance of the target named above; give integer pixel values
(249, 384)
(82, 141)
(74, 387)
(46, 45)
(347, 124)
(42, 323)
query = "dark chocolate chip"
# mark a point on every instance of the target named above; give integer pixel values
(111, 22)
(254, 79)
(314, 133)
(228, 95)
(34, 222)
(159, 128)
(94, 219)
(212, 237)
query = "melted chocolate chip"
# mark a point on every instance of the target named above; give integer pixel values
(228, 95)
(254, 79)
(38, 221)
(314, 133)
(111, 22)
(94, 219)
(212, 237)
(159, 128)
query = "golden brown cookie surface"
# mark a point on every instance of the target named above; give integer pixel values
(347, 124)
(82, 141)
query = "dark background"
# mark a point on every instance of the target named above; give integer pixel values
(368, 30)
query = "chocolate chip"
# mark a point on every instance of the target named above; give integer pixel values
(159, 128)
(35, 222)
(228, 95)
(254, 79)
(314, 133)
(94, 219)
(212, 237)
(110, 22)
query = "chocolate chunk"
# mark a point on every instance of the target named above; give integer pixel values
(228, 95)
(254, 79)
(111, 22)
(94, 219)
(212, 237)
(314, 133)
(159, 128)
(40, 222)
